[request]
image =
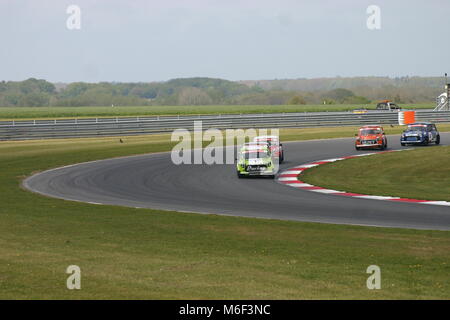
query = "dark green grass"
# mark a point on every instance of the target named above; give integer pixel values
(78, 112)
(139, 253)
(422, 173)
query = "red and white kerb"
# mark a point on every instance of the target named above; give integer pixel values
(290, 177)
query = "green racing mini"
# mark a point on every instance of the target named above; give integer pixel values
(255, 161)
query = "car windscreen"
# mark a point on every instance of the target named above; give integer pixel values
(254, 155)
(257, 144)
(366, 132)
(269, 141)
(417, 128)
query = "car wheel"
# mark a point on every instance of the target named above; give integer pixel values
(239, 175)
(403, 144)
(438, 139)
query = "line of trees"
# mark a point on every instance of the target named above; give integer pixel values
(207, 91)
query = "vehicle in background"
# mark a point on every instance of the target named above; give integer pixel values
(371, 137)
(254, 161)
(275, 146)
(420, 133)
(387, 105)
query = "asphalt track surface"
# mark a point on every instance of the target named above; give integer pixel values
(153, 181)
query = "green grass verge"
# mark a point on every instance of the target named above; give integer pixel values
(423, 173)
(80, 112)
(139, 253)
(340, 132)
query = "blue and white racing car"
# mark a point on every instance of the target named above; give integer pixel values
(420, 133)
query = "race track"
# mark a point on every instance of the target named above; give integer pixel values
(152, 181)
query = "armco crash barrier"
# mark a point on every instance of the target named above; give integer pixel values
(95, 127)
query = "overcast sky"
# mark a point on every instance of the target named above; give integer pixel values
(138, 40)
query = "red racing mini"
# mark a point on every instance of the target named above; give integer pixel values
(276, 147)
(370, 137)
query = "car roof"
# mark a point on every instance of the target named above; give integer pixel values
(419, 124)
(266, 137)
(254, 151)
(254, 143)
(371, 127)
(255, 147)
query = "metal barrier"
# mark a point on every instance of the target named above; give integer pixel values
(69, 128)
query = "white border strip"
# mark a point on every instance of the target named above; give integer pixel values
(296, 183)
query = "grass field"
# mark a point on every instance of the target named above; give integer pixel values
(127, 253)
(340, 132)
(7, 113)
(423, 173)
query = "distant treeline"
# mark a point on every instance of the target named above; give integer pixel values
(207, 91)
(400, 89)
